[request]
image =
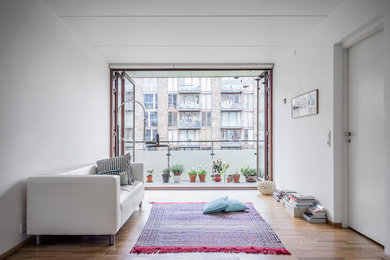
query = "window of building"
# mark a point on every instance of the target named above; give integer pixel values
(205, 84)
(172, 100)
(172, 135)
(231, 119)
(231, 134)
(189, 135)
(206, 101)
(150, 101)
(248, 100)
(206, 118)
(172, 118)
(247, 119)
(150, 134)
(151, 118)
(172, 84)
(229, 100)
(189, 116)
(149, 84)
(189, 99)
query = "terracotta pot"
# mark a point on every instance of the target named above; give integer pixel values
(251, 178)
(192, 178)
(236, 178)
(202, 177)
(217, 177)
(149, 178)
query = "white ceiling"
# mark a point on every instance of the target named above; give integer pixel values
(153, 31)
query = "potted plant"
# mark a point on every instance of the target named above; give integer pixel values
(192, 175)
(236, 177)
(149, 175)
(249, 173)
(219, 168)
(166, 175)
(202, 174)
(177, 170)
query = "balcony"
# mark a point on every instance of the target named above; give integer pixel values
(230, 106)
(188, 107)
(189, 125)
(233, 89)
(189, 89)
(193, 154)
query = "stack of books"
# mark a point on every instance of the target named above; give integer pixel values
(284, 196)
(301, 201)
(315, 214)
(277, 195)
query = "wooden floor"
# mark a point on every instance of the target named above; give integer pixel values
(302, 239)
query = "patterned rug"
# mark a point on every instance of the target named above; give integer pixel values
(183, 228)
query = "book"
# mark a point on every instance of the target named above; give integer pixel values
(309, 218)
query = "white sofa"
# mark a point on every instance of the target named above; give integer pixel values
(79, 202)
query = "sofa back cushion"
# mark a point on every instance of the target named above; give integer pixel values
(86, 170)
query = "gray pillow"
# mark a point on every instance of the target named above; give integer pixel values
(120, 162)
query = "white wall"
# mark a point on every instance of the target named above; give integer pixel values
(54, 105)
(303, 160)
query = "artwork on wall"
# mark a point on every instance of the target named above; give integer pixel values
(305, 104)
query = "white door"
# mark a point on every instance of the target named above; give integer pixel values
(366, 148)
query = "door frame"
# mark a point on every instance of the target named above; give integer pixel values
(203, 67)
(341, 119)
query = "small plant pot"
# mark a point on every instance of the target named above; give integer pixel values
(165, 178)
(202, 177)
(217, 177)
(149, 178)
(236, 178)
(176, 178)
(192, 178)
(251, 178)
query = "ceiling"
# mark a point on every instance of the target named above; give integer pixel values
(153, 31)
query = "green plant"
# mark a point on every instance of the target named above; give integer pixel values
(202, 171)
(177, 169)
(150, 172)
(167, 171)
(220, 167)
(192, 172)
(248, 171)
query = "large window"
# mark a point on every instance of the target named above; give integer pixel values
(231, 119)
(231, 134)
(189, 135)
(149, 84)
(172, 118)
(189, 116)
(206, 101)
(172, 100)
(189, 99)
(150, 134)
(150, 101)
(206, 118)
(151, 118)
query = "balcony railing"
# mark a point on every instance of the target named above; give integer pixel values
(230, 106)
(234, 124)
(188, 89)
(189, 106)
(200, 153)
(189, 125)
(226, 88)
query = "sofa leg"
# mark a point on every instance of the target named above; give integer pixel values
(111, 239)
(140, 205)
(38, 239)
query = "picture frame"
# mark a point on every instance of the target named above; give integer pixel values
(305, 104)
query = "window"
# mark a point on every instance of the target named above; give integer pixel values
(150, 101)
(231, 119)
(206, 84)
(206, 118)
(231, 134)
(172, 100)
(150, 134)
(149, 84)
(231, 100)
(172, 84)
(206, 101)
(247, 119)
(172, 118)
(172, 135)
(248, 101)
(189, 135)
(189, 116)
(205, 134)
(189, 99)
(151, 118)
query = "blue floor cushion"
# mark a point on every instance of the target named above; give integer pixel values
(216, 205)
(235, 205)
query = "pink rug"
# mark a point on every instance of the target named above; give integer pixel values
(183, 228)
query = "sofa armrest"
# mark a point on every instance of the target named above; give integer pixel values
(137, 170)
(73, 205)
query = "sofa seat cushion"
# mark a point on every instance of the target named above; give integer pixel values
(130, 197)
(127, 191)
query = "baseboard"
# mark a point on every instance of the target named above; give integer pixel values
(386, 256)
(201, 188)
(16, 248)
(334, 224)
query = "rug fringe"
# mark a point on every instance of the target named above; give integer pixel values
(205, 249)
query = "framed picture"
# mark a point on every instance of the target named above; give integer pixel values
(305, 104)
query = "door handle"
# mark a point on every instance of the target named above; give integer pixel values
(348, 134)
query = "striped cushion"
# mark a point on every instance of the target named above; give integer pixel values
(120, 162)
